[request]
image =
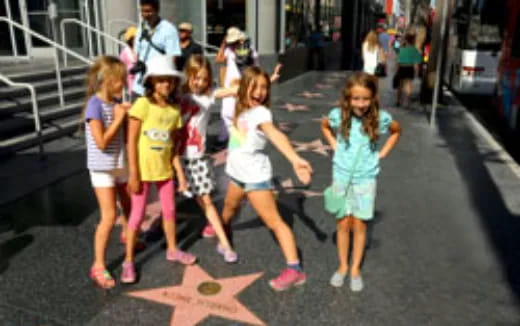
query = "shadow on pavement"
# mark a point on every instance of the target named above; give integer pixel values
(500, 225)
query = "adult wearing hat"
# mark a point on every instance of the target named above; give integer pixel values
(128, 56)
(188, 46)
(230, 53)
(154, 37)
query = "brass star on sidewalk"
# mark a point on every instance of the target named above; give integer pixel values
(316, 146)
(294, 107)
(200, 296)
(311, 95)
(219, 158)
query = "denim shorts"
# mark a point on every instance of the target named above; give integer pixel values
(264, 185)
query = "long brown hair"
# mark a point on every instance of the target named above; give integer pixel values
(149, 89)
(249, 77)
(371, 41)
(104, 66)
(371, 119)
(195, 63)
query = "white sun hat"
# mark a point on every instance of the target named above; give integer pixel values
(162, 65)
(233, 35)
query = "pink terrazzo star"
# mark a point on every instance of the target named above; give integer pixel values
(289, 188)
(219, 158)
(311, 95)
(322, 86)
(200, 296)
(316, 146)
(294, 107)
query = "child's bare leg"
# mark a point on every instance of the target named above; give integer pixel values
(344, 226)
(360, 232)
(234, 196)
(265, 206)
(211, 214)
(107, 203)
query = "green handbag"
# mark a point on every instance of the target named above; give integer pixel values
(334, 198)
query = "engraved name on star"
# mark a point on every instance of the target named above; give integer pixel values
(307, 94)
(294, 107)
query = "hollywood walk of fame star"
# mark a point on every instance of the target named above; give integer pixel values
(285, 126)
(322, 86)
(289, 188)
(294, 107)
(200, 296)
(316, 146)
(219, 158)
(307, 94)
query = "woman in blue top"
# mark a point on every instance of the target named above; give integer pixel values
(353, 131)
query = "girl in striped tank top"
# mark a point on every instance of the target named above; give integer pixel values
(104, 119)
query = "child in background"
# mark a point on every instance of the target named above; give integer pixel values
(104, 121)
(153, 123)
(195, 108)
(249, 169)
(353, 131)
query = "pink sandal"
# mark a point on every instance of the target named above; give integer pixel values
(102, 278)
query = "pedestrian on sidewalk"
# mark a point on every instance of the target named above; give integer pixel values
(195, 109)
(129, 57)
(250, 172)
(372, 53)
(104, 134)
(154, 120)
(188, 45)
(408, 61)
(353, 130)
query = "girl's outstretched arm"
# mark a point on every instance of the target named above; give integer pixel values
(225, 92)
(134, 178)
(276, 73)
(395, 133)
(328, 133)
(302, 168)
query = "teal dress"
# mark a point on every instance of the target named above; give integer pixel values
(355, 165)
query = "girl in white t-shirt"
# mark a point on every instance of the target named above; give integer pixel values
(250, 172)
(195, 109)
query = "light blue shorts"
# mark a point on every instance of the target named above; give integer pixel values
(360, 198)
(264, 185)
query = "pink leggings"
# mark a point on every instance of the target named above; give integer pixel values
(166, 197)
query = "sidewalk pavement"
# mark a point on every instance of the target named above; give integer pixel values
(442, 250)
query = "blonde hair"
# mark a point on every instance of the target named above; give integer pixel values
(249, 77)
(371, 41)
(371, 119)
(103, 67)
(195, 63)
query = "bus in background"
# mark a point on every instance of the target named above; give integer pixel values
(474, 47)
(508, 87)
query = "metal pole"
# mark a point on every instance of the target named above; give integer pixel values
(64, 42)
(282, 27)
(11, 29)
(58, 77)
(96, 21)
(204, 29)
(89, 34)
(440, 58)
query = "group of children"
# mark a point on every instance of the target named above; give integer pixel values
(162, 137)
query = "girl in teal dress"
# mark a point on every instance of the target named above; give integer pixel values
(353, 130)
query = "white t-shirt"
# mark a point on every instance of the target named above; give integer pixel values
(370, 59)
(247, 161)
(195, 111)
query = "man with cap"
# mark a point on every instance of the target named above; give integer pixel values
(188, 46)
(155, 36)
